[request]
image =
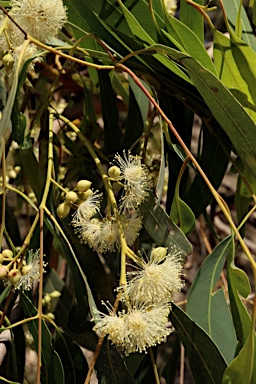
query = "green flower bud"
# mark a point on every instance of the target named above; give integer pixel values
(71, 197)
(3, 272)
(114, 172)
(14, 276)
(83, 185)
(158, 254)
(63, 210)
(7, 253)
(84, 195)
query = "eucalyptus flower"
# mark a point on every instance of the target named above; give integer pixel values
(155, 281)
(136, 329)
(136, 178)
(87, 209)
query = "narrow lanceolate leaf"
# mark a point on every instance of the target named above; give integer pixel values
(241, 369)
(232, 7)
(205, 360)
(238, 284)
(209, 309)
(192, 18)
(182, 215)
(224, 106)
(230, 73)
(181, 33)
(52, 369)
(161, 229)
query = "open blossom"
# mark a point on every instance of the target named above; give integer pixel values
(155, 281)
(99, 234)
(42, 19)
(136, 178)
(103, 235)
(137, 329)
(87, 209)
(29, 273)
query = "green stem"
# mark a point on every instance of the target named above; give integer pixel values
(109, 190)
(4, 192)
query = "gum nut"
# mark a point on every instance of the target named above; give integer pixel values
(83, 185)
(84, 195)
(63, 210)
(7, 253)
(14, 276)
(3, 271)
(158, 254)
(114, 172)
(71, 197)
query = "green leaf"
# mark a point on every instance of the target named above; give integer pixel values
(238, 284)
(161, 229)
(110, 366)
(112, 133)
(225, 108)
(189, 41)
(137, 115)
(214, 160)
(209, 309)
(30, 167)
(192, 18)
(241, 368)
(52, 369)
(182, 215)
(205, 360)
(232, 7)
(73, 360)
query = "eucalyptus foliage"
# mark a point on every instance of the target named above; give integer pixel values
(100, 187)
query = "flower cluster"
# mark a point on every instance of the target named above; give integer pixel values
(136, 329)
(103, 233)
(147, 298)
(136, 178)
(42, 19)
(21, 275)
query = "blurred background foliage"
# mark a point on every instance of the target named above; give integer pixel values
(199, 68)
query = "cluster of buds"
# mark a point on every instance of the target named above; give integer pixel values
(20, 274)
(73, 199)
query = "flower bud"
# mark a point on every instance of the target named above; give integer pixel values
(26, 269)
(114, 172)
(63, 210)
(3, 271)
(7, 253)
(71, 197)
(84, 195)
(83, 185)
(55, 294)
(14, 276)
(8, 61)
(158, 254)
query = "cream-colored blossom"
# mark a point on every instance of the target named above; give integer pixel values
(136, 178)
(171, 6)
(29, 273)
(87, 209)
(137, 329)
(131, 224)
(42, 19)
(155, 281)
